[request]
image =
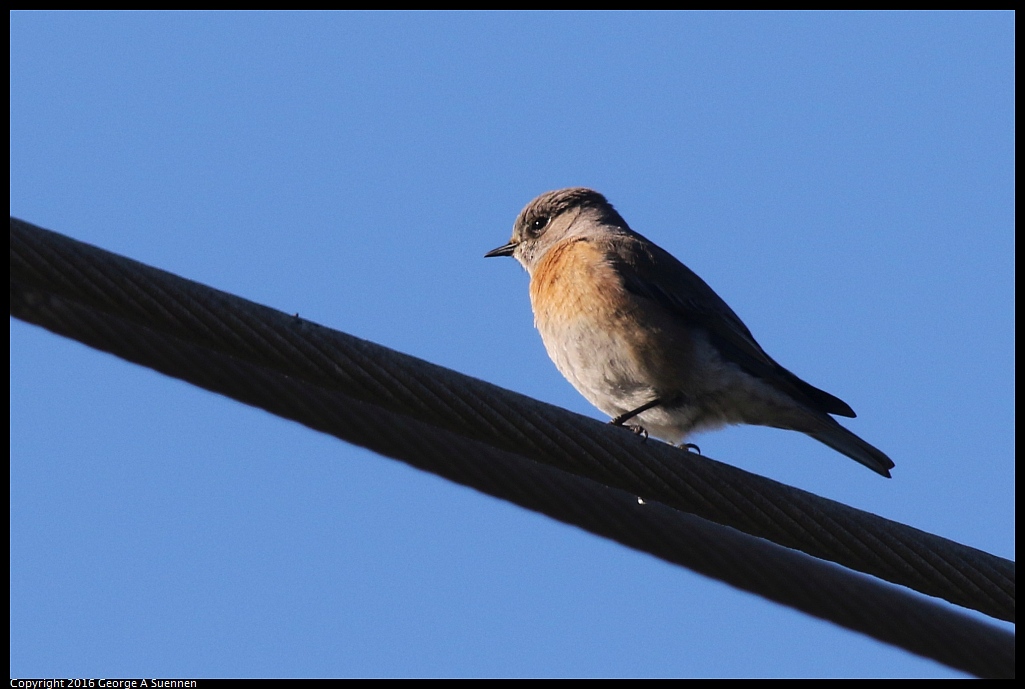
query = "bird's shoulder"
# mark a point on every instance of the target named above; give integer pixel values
(655, 274)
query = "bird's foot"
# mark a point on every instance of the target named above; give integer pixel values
(638, 430)
(634, 428)
(690, 447)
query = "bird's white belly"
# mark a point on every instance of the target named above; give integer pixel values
(605, 369)
(600, 366)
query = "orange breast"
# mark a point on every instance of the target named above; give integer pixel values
(574, 280)
(587, 317)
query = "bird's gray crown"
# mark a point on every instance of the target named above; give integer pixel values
(539, 213)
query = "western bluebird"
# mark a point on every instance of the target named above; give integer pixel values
(642, 337)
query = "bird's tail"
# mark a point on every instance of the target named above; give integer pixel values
(840, 439)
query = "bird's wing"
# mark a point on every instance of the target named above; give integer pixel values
(680, 291)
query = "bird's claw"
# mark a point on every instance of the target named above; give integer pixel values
(690, 447)
(636, 429)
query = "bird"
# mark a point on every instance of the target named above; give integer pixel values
(648, 342)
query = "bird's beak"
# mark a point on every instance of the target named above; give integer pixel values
(505, 250)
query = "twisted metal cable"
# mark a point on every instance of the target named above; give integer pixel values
(888, 614)
(46, 266)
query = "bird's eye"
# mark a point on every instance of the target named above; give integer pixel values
(539, 223)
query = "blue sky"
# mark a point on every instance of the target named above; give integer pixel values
(844, 181)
